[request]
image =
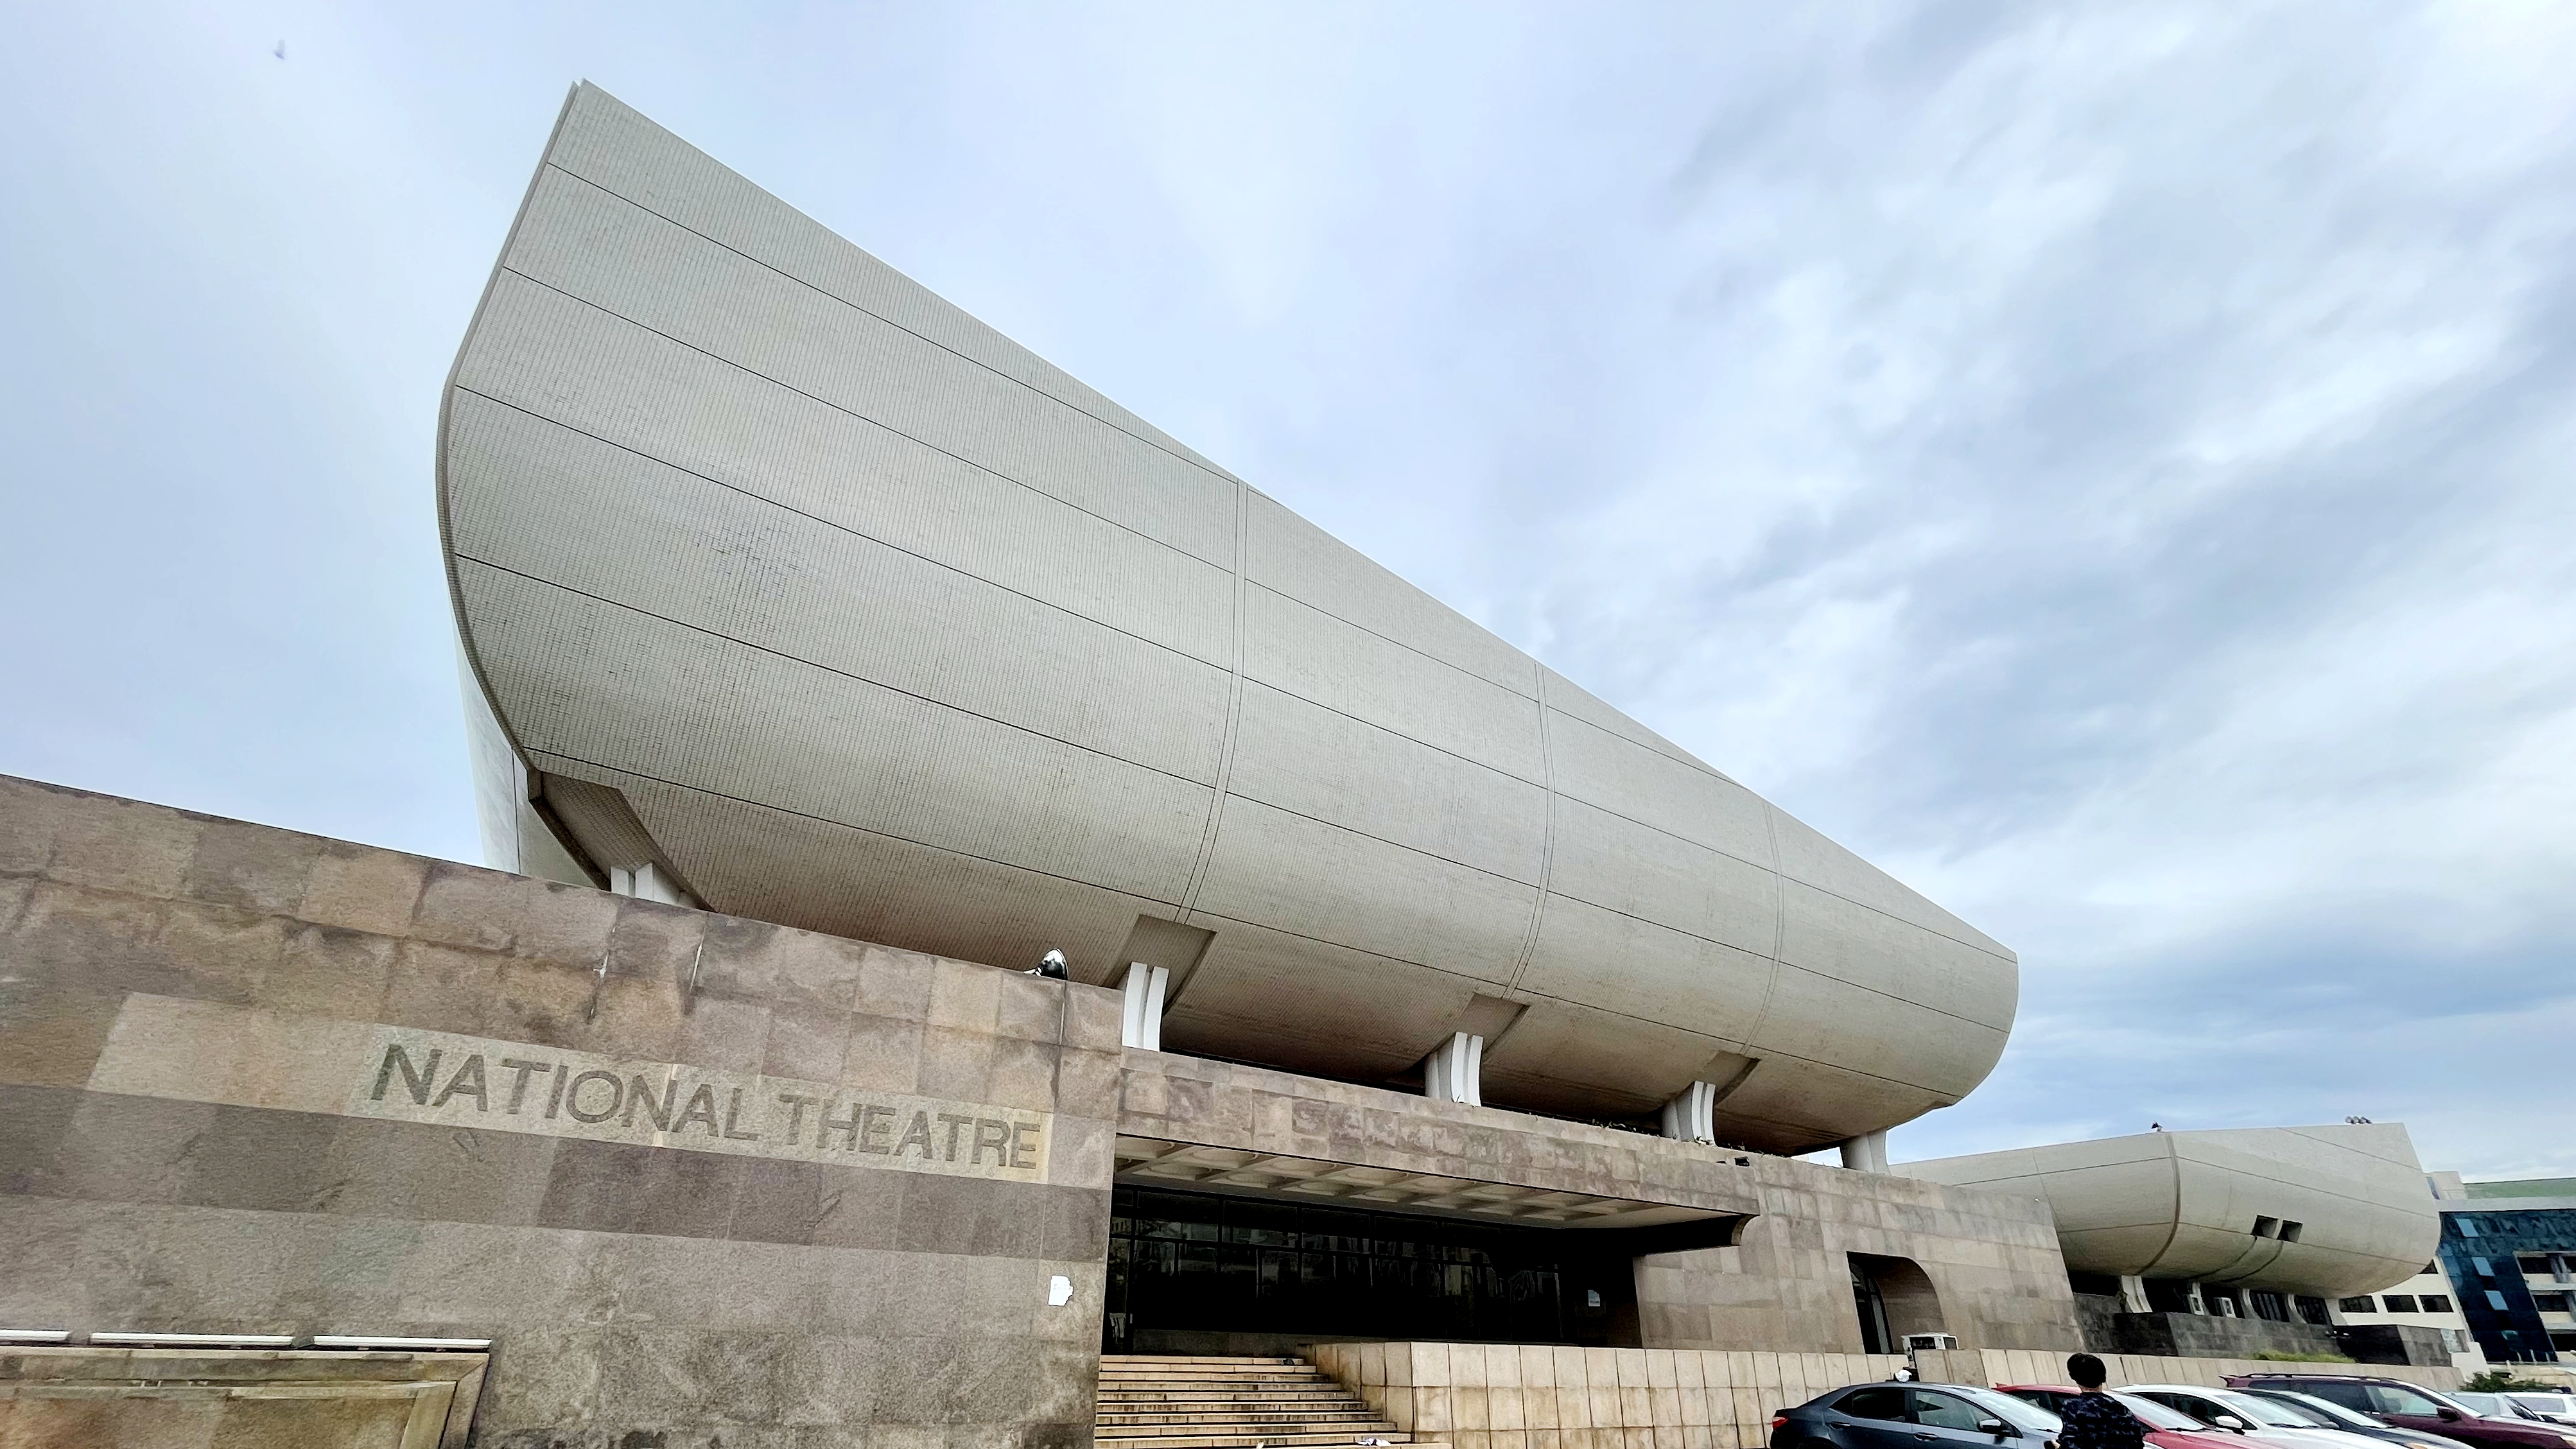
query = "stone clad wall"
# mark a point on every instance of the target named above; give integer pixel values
(745, 1179)
(1506, 1396)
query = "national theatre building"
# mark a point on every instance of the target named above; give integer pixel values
(831, 661)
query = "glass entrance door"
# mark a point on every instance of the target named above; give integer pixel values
(1207, 1273)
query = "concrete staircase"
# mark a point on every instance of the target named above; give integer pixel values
(1230, 1403)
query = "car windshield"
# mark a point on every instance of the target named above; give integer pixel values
(2545, 1403)
(2262, 1412)
(2415, 1399)
(2016, 1412)
(2155, 1415)
(2306, 1415)
(2486, 1404)
(2333, 1413)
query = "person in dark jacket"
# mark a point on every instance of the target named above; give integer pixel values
(2093, 1419)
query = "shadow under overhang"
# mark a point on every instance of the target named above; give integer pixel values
(1663, 1227)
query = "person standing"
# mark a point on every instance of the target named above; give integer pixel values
(2093, 1419)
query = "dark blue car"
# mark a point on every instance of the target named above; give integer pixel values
(1913, 1416)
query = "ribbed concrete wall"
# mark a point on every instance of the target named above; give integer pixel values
(884, 627)
(2185, 1205)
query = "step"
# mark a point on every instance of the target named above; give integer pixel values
(1248, 1439)
(1343, 1430)
(1196, 1372)
(1356, 1419)
(1284, 1392)
(1160, 1360)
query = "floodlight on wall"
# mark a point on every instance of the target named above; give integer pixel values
(1050, 966)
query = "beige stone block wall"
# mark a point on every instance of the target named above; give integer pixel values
(2022, 1366)
(1536, 1396)
(203, 1129)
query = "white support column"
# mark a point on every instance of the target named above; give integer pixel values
(1692, 1116)
(647, 883)
(1455, 1071)
(2133, 1294)
(1143, 1023)
(1866, 1153)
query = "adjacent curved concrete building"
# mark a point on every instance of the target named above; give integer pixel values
(793, 588)
(2317, 1210)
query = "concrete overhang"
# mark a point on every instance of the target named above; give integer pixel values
(1267, 1174)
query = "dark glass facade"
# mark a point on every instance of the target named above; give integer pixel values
(1193, 1272)
(2482, 1251)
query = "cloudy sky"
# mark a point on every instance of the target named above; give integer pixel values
(2114, 466)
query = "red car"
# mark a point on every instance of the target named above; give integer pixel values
(2165, 1428)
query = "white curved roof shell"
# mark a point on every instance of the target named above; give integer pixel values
(2187, 1205)
(884, 627)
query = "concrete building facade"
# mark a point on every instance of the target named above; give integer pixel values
(703, 1177)
(2230, 1242)
(789, 588)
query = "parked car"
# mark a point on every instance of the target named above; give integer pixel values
(2411, 1406)
(2492, 1406)
(2165, 1428)
(2239, 1412)
(2556, 1408)
(2336, 1416)
(1913, 1416)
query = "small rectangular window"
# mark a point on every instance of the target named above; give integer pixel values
(2534, 1265)
(2399, 1302)
(2550, 1302)
(2482, 1267)
(2468, 1226)
(2436, 1303)
(2266, 1227)
(2358, 1305)
(2495, 1300)
(2290, 1231)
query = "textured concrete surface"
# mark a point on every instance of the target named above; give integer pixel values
(2004, 1366)
(2210, 1207)
(632, 1283)
(1506, 1396)
(881, 626)
(1990, 1259)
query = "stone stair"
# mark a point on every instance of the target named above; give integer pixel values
(1152, 1402)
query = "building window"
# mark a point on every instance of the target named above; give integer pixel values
(2399, 1302)
(2550, 1302)
(2358, 1305)
(2312, 1310)
(2456, 1340)
(2483, 1268)
(2533, 1265)
(2495, 1301)
(2468, 1227)
(2435, 1303)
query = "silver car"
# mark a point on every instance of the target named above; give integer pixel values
(2254, 1417)
(2556, 1408)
